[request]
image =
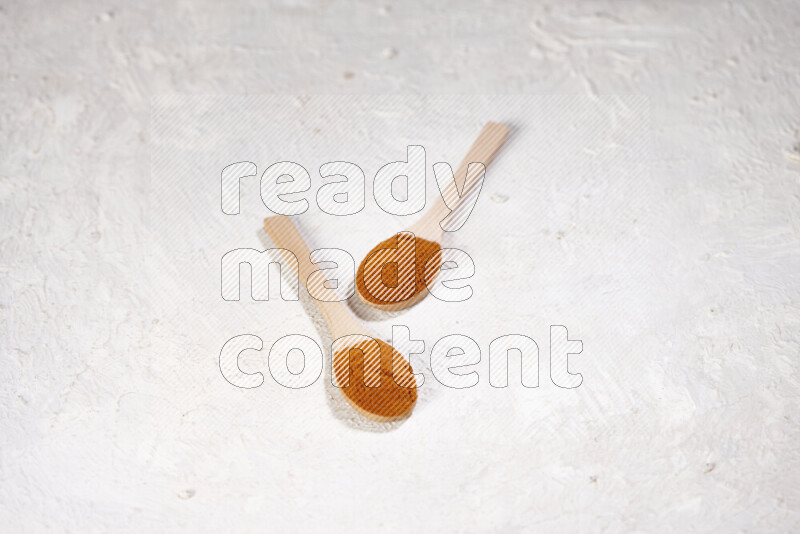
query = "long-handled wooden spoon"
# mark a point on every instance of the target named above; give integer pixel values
(395, 274)
(374, 378)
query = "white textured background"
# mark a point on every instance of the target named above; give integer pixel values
(112, 419)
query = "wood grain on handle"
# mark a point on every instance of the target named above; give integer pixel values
(483, 150)
(285, 235)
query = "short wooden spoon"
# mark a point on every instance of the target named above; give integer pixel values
(395, 274)
(374, 378)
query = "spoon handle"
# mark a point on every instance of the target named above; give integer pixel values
(483, 150)
(285, 235)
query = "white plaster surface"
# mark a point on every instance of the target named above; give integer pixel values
(682, 278)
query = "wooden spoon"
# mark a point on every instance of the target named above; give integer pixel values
(394, 275)
(376, 380)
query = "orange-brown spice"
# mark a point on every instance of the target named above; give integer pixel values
(424, 273)
(396, 393)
